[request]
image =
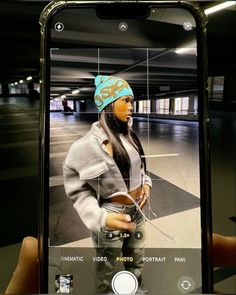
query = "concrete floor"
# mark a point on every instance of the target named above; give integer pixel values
(171, 151)
(19, 176)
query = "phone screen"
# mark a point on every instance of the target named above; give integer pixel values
(100, 68)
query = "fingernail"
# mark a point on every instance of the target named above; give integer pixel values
(128, 218)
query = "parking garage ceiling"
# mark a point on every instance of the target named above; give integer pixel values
(20, 42)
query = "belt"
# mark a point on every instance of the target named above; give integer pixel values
(123, 200)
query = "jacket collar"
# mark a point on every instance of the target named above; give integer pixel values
(99, 133)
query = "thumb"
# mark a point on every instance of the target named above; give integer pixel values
(123, 217)
(25, 277)
(123, 221)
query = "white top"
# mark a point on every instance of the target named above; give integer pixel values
(135, 161)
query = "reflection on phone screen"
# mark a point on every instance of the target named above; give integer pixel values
(124, 119)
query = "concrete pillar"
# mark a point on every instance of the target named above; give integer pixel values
(153, 106)
(74, 106)
(172, 106)
(5, 89)
(30, 86)
(191, 105)
(137, 106)
(77, 104)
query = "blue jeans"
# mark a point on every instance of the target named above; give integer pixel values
(114, 244)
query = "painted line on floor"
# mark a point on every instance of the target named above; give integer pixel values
(61, 135)
(55, 155)
(56, 181)
(62, 142)
(160, 156)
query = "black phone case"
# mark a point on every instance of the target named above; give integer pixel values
(201, 21)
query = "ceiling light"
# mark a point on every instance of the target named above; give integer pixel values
(29, 78)
(21, 81)
(188, 49)
(54, 94)
(16, 83)
(219, 7)
(182, 50)
(76, 91)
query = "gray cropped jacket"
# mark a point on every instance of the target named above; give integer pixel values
(91, 173)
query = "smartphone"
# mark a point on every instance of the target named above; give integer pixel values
(104, 230)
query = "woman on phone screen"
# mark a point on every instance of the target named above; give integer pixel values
(105, 177)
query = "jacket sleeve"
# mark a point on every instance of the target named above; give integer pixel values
(146, 178)
(84, 198)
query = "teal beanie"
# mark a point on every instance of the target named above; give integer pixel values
(109, 89)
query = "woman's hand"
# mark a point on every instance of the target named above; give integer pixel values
(146, 195)
(119, 221)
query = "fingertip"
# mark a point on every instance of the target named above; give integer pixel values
(128, 218)
(29, 251)
(131, 226)
(25, 276)
(30, 243)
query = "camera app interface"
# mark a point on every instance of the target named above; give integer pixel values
(124, 187)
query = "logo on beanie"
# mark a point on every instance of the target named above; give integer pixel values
(109, 89)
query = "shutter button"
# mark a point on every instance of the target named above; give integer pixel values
(125, 283)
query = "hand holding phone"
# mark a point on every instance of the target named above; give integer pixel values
(25, 279)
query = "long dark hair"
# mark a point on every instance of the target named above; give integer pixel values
(113, 127)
